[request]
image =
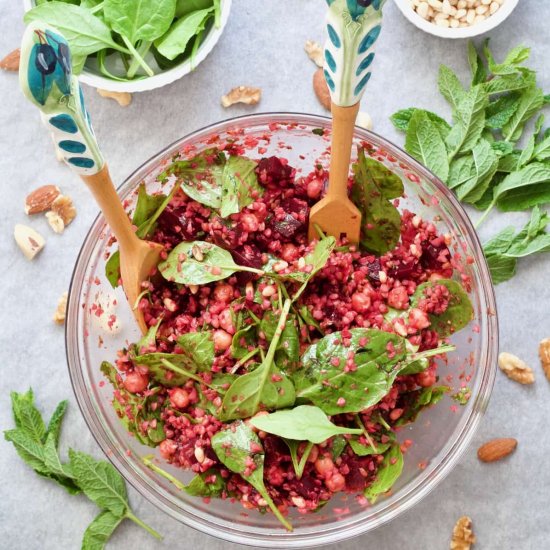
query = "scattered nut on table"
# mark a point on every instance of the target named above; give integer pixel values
(62, 213)
(320, 87)
(516, 369)
(11, 61)
(60, 312)
(29, 241)
(242, 94)
(463, 536)
(496, 449)
(41, 199)
(314, 51)
(122, 98)
(364, 120)
(544, 354)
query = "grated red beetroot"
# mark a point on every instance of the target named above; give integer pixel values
(354, 289)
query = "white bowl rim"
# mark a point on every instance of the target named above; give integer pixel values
(165, 77)
(466, 32)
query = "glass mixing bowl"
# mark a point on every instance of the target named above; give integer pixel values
(439, 436)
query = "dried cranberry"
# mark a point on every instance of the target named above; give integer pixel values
(273, 171)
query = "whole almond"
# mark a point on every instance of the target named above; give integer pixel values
(320, 87)
(41, 199)
(11, 61)
(496, 449)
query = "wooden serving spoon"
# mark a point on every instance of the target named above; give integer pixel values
(46, 79)
(353, 27)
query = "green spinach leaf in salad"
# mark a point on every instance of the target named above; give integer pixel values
(303, 423)
(235, 447)
(387, 473)
(374, 186)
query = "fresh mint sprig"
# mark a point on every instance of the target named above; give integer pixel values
(478, 156)
(97, 479)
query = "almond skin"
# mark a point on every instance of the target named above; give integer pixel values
(320, 88)
(41, 199)
(496, 449)
(11, 61)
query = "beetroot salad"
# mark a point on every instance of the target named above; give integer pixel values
(276, 369)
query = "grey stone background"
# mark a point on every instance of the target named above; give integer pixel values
(262, 46)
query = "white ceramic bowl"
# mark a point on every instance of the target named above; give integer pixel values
(465, 32)
(95, 79)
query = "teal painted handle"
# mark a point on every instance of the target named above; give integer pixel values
(46, 79)
(353, 27)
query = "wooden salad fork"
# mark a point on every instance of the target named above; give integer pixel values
(46, 79)
(353, 27)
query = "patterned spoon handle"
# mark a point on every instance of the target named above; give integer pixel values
(46, 79)
(353, 27)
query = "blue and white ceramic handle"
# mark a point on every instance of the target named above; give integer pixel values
(46, 79)
(353, 27)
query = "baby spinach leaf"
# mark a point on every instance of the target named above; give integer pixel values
(174, 42)
(139, 19)
(416, 401)
(183, 7)
(401, 120)
(459, 312)
(146, 205)
(215, 264)
(424, 142)
(266, 387)
(298, 463)
(314, 261)
(203, 486)
(303, 423)
(100, 530)
(308, 318)
(324, 381)
(365, 449)
(387, 473)
(374, 186)
(85, 32)
(244, 340)
(200, 177)
(239, 185)
(199, 348)
(470, 122)
(450, 87)
(236, 447)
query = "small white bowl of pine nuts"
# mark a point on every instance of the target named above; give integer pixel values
(456, 18)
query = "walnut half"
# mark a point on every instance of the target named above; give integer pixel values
(242, 94)
(463, 536)
(516, 369)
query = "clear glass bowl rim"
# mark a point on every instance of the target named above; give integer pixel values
(413, 493)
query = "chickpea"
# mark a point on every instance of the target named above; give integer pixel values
(222, 340)
(360, 302)
(179, 398)
(136, 382)
(324, 465)
(167, 448)
(336, 482)
(223, 292)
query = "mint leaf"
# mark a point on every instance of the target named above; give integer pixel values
(100, 482)
(502, 268)
(477, 67)
(27, 417)
(450, 87)
(470, 122)
(54, 425)
(28, 449)
(523, 189)
(484, 166)
(100, 530)
(531, 101)
(501, 110)
(401, 120)
(425, 143)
